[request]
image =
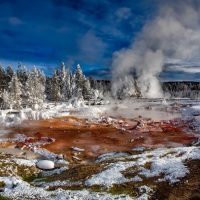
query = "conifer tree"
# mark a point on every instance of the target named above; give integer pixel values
(64, 83)
(9, 74)
(2, 79)
(78, 82)
(66, 89)
(14, 93)
(5, 100)
(48, 86)
(86, 90)
(81, 85)
(22, 74)
(35, 89)
(55, 88)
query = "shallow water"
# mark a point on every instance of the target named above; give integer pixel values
(97, 139)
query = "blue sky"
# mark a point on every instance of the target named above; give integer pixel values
(46, 32)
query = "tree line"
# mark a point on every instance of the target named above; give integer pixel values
(23, 88)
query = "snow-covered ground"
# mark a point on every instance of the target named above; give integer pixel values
(163, 164)
(157, 110)
(166, 161)
(17, 188)
(48, 111)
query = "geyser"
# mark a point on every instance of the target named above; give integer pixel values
(173, 34)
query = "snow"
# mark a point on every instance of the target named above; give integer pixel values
(19, 189)
(13, 117)
(49, 110)
(45, 164)
(17, 137)
(77, 149)
(168, 164)
(146, 192)
(76, 102)
(45, 153)
(110, 176)
(111, 156)
(77, 107)
(138, 149)
(25, 162)
(89, 112)
(192, 113)
(55, 171)
(167, 161)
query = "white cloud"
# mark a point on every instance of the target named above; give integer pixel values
(15, 21)
(186, 69)
(91, 47)
(123, 13)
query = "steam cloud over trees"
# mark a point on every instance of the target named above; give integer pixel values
(172, 36)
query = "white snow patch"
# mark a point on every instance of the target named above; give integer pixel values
(110, 176)
(45, 153)
(111, 155)
(19, 189)
(193, 114)
(77, 149)
(167, 161)
(191, 111)
(55, 171)
(25, 162)
(146, 192)
(49, 110)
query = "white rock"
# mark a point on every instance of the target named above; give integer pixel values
(77, 149)
(45, 164)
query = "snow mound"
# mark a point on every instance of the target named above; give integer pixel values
(48, 111)
(45, 164)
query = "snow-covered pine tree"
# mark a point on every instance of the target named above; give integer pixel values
(22, 74)
(48, 87)
(14, 93)
(62, 74)
(35, 89)
(81, 86)
(5, 101)
(86, 91)
(128, 88)
(9, 74)
(98, 89)
(66, 92)
(2, 79)
(78, 80)
(64, 80)
(71, 83)
(55, 88)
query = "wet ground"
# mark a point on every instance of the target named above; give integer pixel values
(107, 135)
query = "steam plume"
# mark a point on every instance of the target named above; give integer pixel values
(173, 34)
